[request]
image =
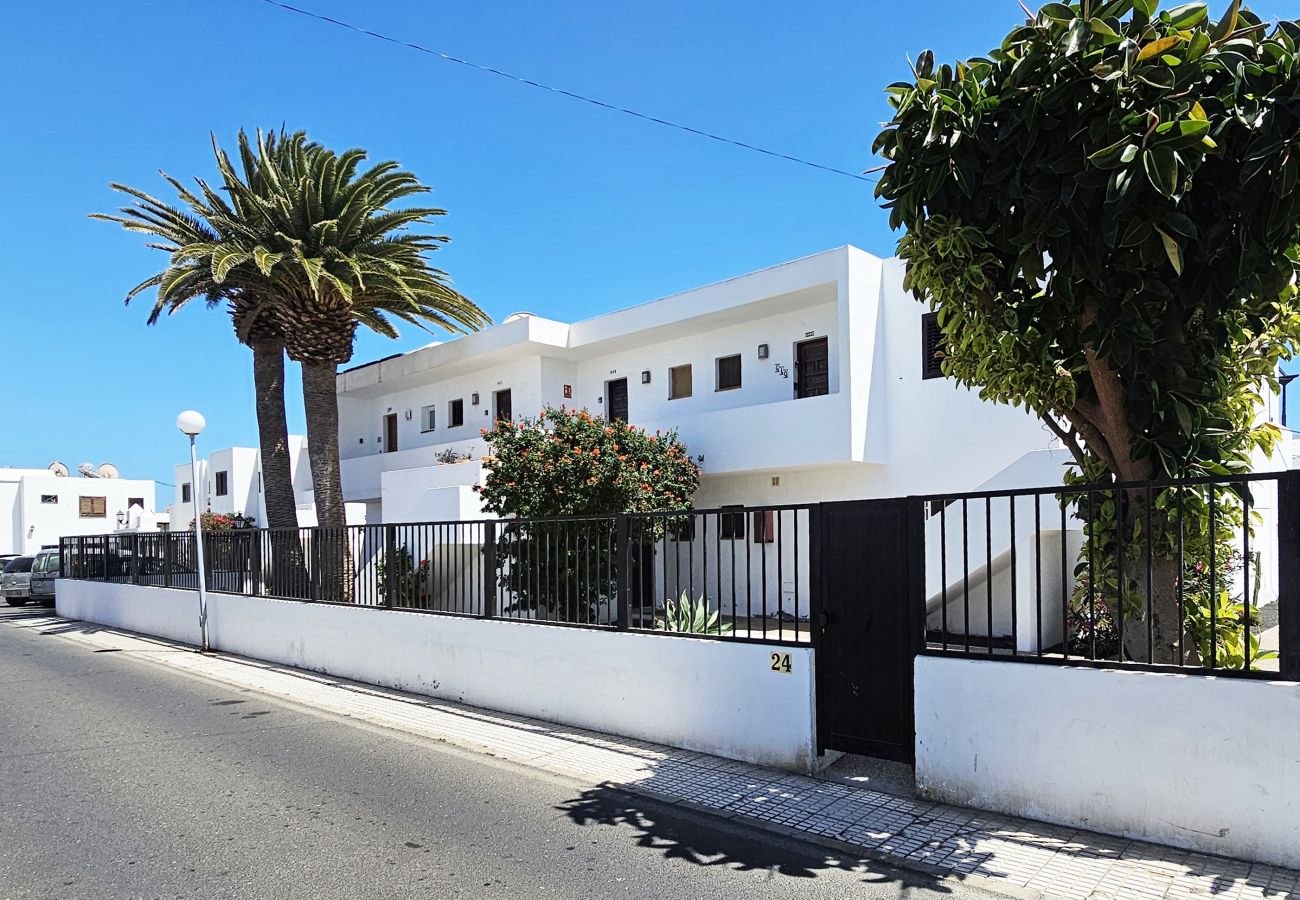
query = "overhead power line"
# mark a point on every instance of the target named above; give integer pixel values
(744, 145)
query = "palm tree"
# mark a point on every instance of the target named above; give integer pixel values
(339, 255)
(306, 248)
(198, 235)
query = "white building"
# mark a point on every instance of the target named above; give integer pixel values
(39, 506)
(798, 383)
(230, 482)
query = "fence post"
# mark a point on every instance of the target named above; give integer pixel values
(167, 559)
(914, 519)
(255, 562)
(103, 544)
(390, 564)
(82, 571)
(622, 573)
(489, 569)
(1288, 575)
(135, 558)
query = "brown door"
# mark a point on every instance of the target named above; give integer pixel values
(812, 369)
(390, 432)
(504, 413)
(616, 400)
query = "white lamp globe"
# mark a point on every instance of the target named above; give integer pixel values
(191, 422)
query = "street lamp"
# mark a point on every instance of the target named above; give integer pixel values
(191, 425)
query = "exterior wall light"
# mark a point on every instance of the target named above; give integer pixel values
(762, 351)
(645, 376)
(473, 399)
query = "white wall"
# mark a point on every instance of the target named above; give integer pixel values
(1210, 764)
(682, 692)
(32, 523)
(163, 612)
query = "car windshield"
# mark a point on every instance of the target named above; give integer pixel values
(46, 562)
(21, 564)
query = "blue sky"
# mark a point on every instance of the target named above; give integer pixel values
(555, 207)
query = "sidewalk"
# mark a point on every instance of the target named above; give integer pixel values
(1015, 855)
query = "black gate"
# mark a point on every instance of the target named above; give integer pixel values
(871, 625)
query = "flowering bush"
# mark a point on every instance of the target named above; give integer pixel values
(215, 521)
(568, 462)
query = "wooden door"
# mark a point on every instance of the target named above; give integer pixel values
(616, 400)
(812, 368)
(390, 432)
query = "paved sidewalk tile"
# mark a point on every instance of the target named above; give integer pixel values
(1052, 860)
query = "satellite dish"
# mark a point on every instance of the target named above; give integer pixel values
(107, 470)
(514, 316)
(59, 469)
(87, 470)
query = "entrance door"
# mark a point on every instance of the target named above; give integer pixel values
(871, 625)
(616, 400)
(503, 412)
(812, 369)
(390, 432)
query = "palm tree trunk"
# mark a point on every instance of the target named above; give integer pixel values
(286, 566)
(273, 435)
(320, 402)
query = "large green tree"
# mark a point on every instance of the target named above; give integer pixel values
(1103, 212)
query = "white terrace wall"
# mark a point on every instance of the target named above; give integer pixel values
(1210, 764)
(682, 692)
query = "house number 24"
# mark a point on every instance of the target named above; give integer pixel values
(781, 663)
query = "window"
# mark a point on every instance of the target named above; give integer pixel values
(92, 507)
(428, 418)
(728, 375)
(679, 382)
(764, 526)
(185, 493)
(931, 346)
(455, 413)
(134, 501)
(223, 483)
(731, 525)
(49, 498)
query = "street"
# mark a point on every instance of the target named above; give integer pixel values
(126, 779)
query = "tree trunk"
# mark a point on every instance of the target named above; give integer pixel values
(273, 435)
(1165, 623)
(287, 576)
(334, 558)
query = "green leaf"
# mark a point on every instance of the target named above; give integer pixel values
(1100, 28)
(1228, 24)
(1175, 258)
(1162, 169)
(1185, 16)
(1058, 12)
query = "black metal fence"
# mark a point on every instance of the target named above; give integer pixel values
(733, 574)
(1195, 574)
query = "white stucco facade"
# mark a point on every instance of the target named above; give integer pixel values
(880, 428)
(230, 482)
(38, 507)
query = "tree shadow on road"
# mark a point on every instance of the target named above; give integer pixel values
(702, 839)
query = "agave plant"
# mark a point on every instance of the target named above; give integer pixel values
(687, 616)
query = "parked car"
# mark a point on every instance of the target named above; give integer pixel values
(15, 581)
(45, 569)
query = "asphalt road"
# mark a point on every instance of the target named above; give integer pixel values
(121, 778)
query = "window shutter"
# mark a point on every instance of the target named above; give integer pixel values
(764, 526)
(931, 346)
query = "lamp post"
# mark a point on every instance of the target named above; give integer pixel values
(191, 425)
(1284, 381)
